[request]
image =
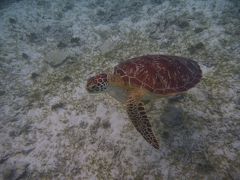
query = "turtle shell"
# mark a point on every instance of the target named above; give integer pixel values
(160, 74)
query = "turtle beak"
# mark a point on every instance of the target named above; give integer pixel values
(90, 87)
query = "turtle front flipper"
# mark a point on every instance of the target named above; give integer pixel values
(137, 114)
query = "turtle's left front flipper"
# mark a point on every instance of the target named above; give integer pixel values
(137, 114)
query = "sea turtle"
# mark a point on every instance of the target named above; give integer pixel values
(145, 78)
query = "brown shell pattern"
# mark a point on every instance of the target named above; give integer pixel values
(160, 74)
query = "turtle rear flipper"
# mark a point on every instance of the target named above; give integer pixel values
(137, 114)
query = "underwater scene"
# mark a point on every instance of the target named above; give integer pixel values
(119, 90)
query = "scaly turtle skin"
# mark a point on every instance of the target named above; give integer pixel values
(144, 78)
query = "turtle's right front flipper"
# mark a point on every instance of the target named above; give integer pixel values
(137, 114)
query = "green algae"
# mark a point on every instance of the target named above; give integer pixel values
(35, 97)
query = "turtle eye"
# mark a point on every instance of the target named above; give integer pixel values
(92, 88)
(95, 88)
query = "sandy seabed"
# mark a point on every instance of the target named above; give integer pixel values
(51, 128)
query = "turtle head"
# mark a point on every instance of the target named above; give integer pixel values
(97, 83)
